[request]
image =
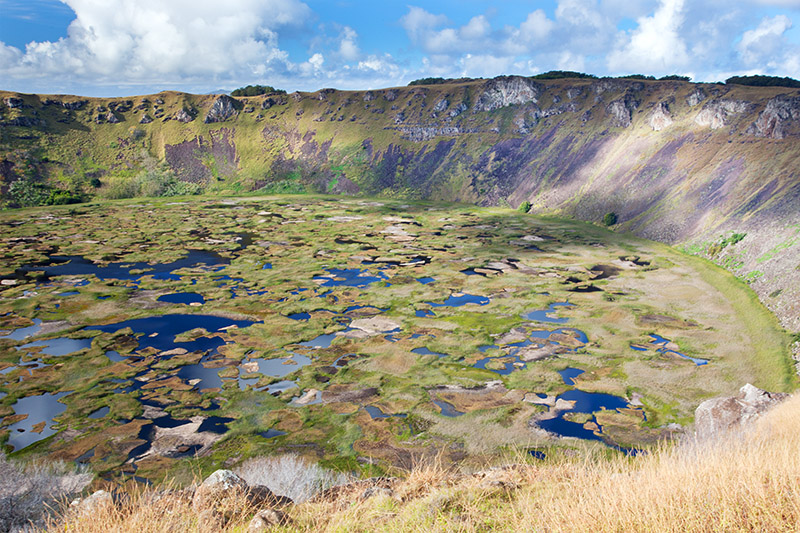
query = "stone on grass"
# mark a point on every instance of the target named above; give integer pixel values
(719, 415)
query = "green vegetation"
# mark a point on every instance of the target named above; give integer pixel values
(723, 243)
(563, 74)
(609, 219)
(675, 77)
(300, 237)
(524, 207)
(763, 81)
(256, 90)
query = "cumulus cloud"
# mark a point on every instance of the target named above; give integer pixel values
(655, 45)
(765, 41)
(143, 40)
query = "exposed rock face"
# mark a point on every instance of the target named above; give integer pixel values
(660, 118)
(224, 108)
(719, 415)
(715, 114)
(506, 91)
(184, 116)
(369, 96)
(441, 105)
(14, 103)
(111, 118)
(74, 106)
(390, 95)
(696, 97)
(778, 117)
(621, 110)
(93, 503)
(272, 101)
(146, 119)
(426, 133)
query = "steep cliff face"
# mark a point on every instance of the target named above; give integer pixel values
(678, 162)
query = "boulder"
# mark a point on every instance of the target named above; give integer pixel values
(13, 102)
(91, 504)
(146, 119)
(217, 488)
(719, 415)
(716, 114)
(266, 519)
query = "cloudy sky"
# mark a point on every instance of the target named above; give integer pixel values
(121, 47)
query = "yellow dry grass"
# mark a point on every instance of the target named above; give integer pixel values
(746, 481)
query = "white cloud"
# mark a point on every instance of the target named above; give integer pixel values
(536, 26)
(348, 46)
(129, 41)
(656, 44)
(764, 42)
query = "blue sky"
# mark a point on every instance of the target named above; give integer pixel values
(119, 47)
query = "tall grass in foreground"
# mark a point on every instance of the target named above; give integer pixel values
(747, 481)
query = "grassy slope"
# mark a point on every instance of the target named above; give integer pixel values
(746, 483)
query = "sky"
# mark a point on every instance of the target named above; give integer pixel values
(127, 47)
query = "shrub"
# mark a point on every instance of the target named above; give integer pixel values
(763, 81)
(609, 219)
(290, 475)
(524, 207)
(256, 90)
(675, 77)
(563, 74)
(27, 490)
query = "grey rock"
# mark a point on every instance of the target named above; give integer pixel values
(441, 105)
(715, 114)
(266, 519)
(777, 118)
(27, 122)
(369, 96)
(697, 96)
(216, 487)
(621, 110)
(390, 95)
(14, 103)
(376, 491)
(146, 119)
(460, 108)
(111, 118)
(184, 116)
(719, 415)
(74, 106)
(91, 504)
(505, 91)
(661, 117)
(224, 107)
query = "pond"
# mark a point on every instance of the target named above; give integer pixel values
(41, 410)
(544, 315)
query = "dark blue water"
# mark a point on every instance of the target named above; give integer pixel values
(350, 277)
(299, 316)
(543, 315)
(458, 301)
(60, 346)
(215, 424)
(422, 313)
(447, 408)
(658, 339)
(322, 341)
(209, 377)
(267, 266)
(22, 333)
(41, 408)
(426, 351)
(508, 367)
(426, 281)
(569, 374)
(72, 265)
(376, 413)
(182, 298)
(168, 326)
(537, 454)
(100, 413)
(272, 433)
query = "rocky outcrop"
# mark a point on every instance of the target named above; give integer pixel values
(266, 519)
(715, 114)
(505, 91)
(13, 102)
(224, 107)
(74, 106)
(112, 118)
(223, 492)
(184, 116)
(778, 118)
(146, 119)
(697, 96)
(426, 133)
(719, 415)
(621, 110)
(661, 117)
